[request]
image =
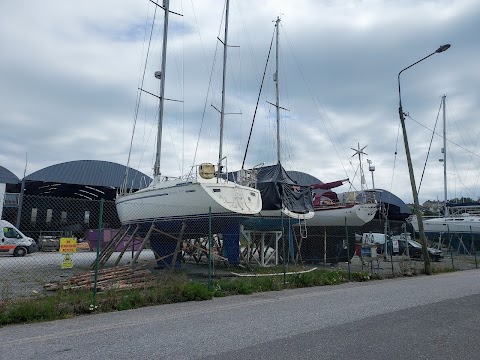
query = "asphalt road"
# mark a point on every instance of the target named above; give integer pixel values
(428, 317)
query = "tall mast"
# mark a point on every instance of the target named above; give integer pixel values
(161, 76)
(222, 110)
(444, 150)
(275, 78)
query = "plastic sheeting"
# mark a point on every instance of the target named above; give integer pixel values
(278, 189)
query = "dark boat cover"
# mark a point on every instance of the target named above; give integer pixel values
(277, 188)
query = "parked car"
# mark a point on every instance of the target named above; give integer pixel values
(398, 247)
(415, 250)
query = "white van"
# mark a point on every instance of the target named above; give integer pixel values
(373, 238)
(14, 242)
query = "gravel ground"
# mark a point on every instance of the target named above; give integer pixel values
(26, 276)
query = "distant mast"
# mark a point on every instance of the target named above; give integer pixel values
(222, 109)
(161, 76)
(444, 150)
(275, 78)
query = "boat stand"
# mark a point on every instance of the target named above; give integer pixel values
(461, 248)
(262, 246)
(108, 251)
(197, 249)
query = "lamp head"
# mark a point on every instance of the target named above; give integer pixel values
(443, 48)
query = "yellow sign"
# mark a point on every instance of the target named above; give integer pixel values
(68, 245)
(67, 262)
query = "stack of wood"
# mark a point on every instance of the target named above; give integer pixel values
(122, 277)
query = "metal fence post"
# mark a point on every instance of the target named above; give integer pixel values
(93, 306)
(210, 248)
(473, 247)
(283, 254)
(348, 248)
(450, 245)
(20, 203)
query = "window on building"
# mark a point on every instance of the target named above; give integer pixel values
(87, 217)
(63, 218)
(33, 216)
(49, 216)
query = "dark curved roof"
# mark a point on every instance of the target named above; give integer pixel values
(90, 172)
(7, 177)
(303, 178)
(387, 197)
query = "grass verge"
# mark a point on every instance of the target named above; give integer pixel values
(169, 289)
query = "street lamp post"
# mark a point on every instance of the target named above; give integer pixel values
(426, 257)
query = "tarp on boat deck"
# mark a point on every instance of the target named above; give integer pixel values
(277, 188)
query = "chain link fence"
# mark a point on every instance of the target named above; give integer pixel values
(206, 245)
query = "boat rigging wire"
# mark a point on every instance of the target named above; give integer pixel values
(258, 100)
(395, 158)
(316, 103)
(139, 95)
(429, 148)
(450, 141)
(207, 96)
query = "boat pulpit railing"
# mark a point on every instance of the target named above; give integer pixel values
(349, 197)
(370, 196)
(170, 178)
(249, 177)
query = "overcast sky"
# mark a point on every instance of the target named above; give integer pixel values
(69, 73)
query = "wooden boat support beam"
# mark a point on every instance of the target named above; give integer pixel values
(158, 258)
(112, 245)
(461, 248)
(142, 246)
(107, 252)
(177, 247)
(132, 237)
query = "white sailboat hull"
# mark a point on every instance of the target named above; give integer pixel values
(461, 224)
(354, 215)
(351, 215)
(179, 199)
(286, 214)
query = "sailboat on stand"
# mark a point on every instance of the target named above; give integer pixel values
(182, 206)
(283, 199)
(350, 209)
(457, 219)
